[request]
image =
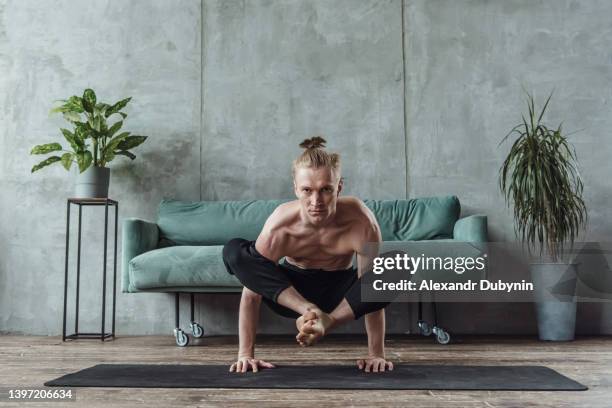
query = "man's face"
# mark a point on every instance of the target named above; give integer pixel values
(317, 191)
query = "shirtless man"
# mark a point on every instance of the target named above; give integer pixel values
(318, 234)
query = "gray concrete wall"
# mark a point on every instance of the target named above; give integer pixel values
(276, 72)
(150, 50)
(415, 95)
(466, 62)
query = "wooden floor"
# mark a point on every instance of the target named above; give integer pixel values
(29, 361)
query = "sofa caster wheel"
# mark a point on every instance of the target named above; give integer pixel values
(424, 328)
(196, 330)
(181, 338)
(442, 336)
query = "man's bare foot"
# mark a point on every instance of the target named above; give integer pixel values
(299, 322)
(312, 325)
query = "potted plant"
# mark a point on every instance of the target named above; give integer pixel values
(93, 141)
(540, 179)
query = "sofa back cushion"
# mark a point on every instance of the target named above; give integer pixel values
(213, 222)
(216, 222)
(416, 219)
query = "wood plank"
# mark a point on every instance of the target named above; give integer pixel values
(29, 361)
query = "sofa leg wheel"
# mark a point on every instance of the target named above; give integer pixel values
(181, 338)
(424, 328)
(196, 330)
(442, 336)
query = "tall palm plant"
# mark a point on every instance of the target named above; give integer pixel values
(540, 179)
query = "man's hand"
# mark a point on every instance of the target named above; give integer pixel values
(244, 363)
(374, 364)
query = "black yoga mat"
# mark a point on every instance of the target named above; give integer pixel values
(403, 377)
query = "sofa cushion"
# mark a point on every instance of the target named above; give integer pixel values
(216, 222)
(416, 219)
(180, 266)
(212, 222)
(183, 268)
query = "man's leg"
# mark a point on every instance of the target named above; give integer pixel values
(293, 300)
(342, 313)
(314, 324)
(351, 307)
(263, 276)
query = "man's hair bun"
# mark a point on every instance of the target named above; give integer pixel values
(316, 156)
(313, 143)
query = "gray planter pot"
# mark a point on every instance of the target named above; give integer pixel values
(92, 183)
(555, 300)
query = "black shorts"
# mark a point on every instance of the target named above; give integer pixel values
(324, 288)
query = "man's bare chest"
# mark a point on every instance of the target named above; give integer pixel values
(321, 246)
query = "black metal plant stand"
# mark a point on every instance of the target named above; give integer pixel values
(81, 202)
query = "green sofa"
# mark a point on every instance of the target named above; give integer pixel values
(181, 251)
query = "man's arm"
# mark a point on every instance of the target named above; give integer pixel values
(267, 245)
(375, 321)
(247, 328)
(248, 317)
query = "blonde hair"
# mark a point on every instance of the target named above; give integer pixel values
(315, 156)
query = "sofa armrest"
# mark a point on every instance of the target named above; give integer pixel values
(139, 236)
(472, 228)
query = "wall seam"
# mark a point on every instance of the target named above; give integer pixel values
(406, 185)
(412, 311)
(201, 88)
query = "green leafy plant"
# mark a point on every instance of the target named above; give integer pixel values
(92, 139)
(541, 179)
